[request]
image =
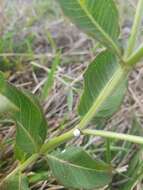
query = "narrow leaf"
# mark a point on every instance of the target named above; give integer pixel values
(2, 80)
(50, 80)
(98, 81)
(74, 168)
(98, 18)
(135, 165)
(134, 174)
(70, 99)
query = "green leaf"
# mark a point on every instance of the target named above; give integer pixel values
(6, 105)
(70, 99)
(39, 176)
(134, 173)
(135, 129)
(98, 18)
(50, 80)
(19, 153)
(17, 182)
(74, 168)
(30, 120)
(2, 81)
(99, 77)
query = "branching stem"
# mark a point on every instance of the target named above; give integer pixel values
(135, 57)
(113, 135)
(129, 61)
(21, 167)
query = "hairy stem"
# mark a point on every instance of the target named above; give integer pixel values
(135, 29)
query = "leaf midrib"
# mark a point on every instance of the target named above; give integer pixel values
(107, 37)
(29, 136)
(75, 166)
(105, 92)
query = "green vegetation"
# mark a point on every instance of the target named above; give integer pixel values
(105, 86)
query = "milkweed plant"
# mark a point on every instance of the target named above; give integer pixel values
(105, 85)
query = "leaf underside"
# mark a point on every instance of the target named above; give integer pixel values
(31, 123)
(17, 182)
(97, 78)
(76, 169)
(97, 18)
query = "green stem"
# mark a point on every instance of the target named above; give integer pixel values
(113, 135)
(21, 167)
(135, 28)
(136, 56)
(53, 143)
(93, 110)
(67, 136)
(49, 146)
(117, 77)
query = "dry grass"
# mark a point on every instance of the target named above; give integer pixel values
(77, 50)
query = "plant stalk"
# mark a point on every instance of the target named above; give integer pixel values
(135, 29)
(53, 143)
(135, 57)
(21, 167)
(132, 60)
(113, 135)
(49, 146)
(117, 77)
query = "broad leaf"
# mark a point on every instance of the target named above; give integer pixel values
(99, 89)
(18, 182)
(74, 168)
(30, 120)
(98, 18)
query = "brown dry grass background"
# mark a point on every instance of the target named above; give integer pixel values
(24, 18)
